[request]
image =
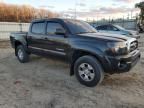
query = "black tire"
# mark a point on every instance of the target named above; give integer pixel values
(25, 57)
(97, 70)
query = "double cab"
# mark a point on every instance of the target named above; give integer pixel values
(90, 54)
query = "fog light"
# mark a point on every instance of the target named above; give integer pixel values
(122, 65)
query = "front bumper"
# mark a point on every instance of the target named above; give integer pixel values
(120, 64)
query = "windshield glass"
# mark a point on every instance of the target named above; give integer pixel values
(119, 27)
(79, 27)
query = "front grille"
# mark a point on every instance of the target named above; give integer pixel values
(133, 45)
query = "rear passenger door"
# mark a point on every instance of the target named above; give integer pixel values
(57, 43)
(36, 36)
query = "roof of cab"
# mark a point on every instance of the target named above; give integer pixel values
(51, 19)
(46, 19)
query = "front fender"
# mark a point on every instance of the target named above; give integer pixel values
(95, 48)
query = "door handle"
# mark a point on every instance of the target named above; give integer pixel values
(59, 49)
(45, 38)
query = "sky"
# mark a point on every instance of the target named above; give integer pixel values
(85, 9)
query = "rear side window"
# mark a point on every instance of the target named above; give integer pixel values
(38, 28)
(52, 27)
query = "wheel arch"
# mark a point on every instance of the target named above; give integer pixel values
(17, 43)
(79, 53)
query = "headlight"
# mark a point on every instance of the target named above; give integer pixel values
(117, 48)
(117, 44)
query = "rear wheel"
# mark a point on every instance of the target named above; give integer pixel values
(22, 55)
(88, 71)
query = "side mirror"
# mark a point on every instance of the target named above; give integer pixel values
(60, 31)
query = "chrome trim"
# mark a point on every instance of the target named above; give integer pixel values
(129, 41)
(59, 49)
(51, 51)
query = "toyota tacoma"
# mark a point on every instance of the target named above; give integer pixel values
(90, 54)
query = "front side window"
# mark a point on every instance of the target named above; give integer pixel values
(52, 27)
(38, 27)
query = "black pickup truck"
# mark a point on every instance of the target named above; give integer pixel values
(90, 54)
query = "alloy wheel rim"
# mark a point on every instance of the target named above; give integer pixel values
(86, 72)
(20, 54)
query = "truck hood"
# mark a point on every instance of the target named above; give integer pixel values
(133, 33)
(106, 36)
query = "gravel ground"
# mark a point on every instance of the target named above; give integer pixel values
(45, 83)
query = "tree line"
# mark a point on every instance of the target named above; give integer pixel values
(22, 13)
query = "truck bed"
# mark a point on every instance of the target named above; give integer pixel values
(13, 34)
(20, 36)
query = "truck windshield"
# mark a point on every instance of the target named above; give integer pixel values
(119, 27)
(79, 27)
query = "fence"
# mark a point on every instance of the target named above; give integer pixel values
(127, 24)
(7, 27)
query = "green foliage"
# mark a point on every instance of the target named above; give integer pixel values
(141, 7)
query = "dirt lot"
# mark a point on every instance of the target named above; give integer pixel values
(45, 83)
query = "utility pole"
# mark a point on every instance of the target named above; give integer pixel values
(123, 21)
(131, 14)
(17, 16)
(109, 19)
(128, 16)
(75, 9)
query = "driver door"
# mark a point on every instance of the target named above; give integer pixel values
(57, 43)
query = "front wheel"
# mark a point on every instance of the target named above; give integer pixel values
(88, 71)
(21, 54)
